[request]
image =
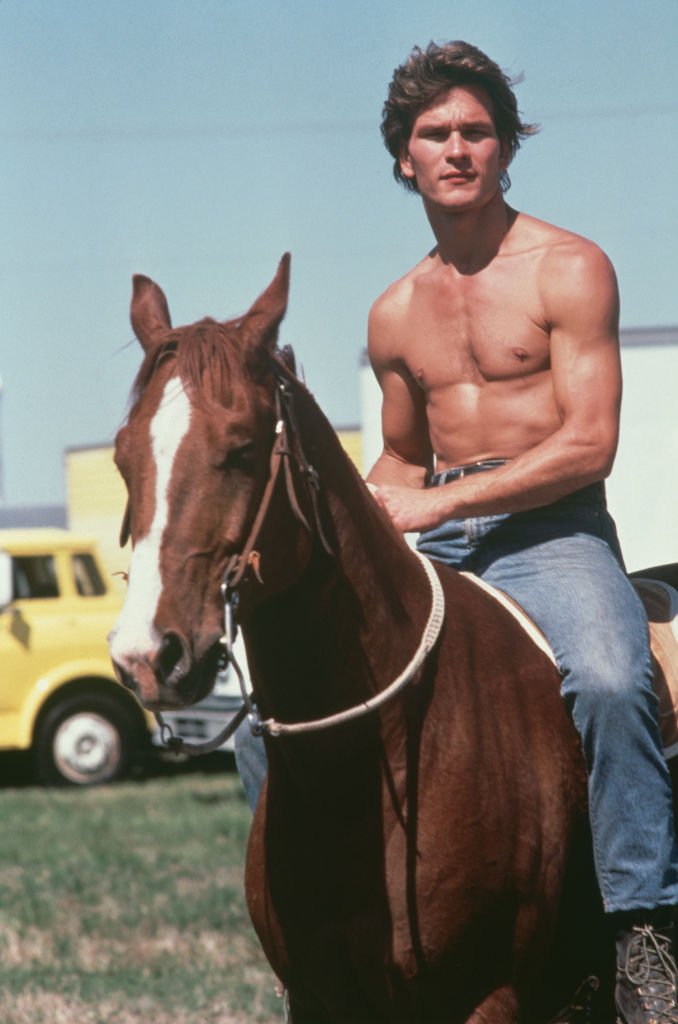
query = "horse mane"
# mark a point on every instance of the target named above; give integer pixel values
(212, 361)
(323, 447)
(209, 358)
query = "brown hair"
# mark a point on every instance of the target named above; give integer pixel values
(426, 74)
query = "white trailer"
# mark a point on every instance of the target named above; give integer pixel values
(643, 488)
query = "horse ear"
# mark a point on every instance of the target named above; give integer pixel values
(149, 311)
(125, 526)
(264, 316)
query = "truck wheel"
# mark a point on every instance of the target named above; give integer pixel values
(86, 740)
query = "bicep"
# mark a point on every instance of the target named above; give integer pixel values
(403, 419)
(585, 360)
(403, 412)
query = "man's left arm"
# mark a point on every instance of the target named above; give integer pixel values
(581, 311)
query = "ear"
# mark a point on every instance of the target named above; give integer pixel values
(262, 320)
(125, 526)
(149, 311)
(406, 168)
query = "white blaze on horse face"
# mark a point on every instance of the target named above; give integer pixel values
(134, 634)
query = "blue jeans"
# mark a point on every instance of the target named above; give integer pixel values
(563, 565)
(251, 762)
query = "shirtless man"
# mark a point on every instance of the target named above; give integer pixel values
(498, 359)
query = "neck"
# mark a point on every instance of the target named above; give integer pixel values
(469, 240)
(351, 621)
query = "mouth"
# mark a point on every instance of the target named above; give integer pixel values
(458, 178)
(178, 691)
(200, 681)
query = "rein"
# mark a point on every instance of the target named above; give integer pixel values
(286, 429)
(286, 426)
(272, 727)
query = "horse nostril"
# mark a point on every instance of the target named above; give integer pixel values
(171, 653)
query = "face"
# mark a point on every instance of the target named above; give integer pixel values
(190, 472)
(454, 153)
(193, 470)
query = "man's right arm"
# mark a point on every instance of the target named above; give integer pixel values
(406, 457)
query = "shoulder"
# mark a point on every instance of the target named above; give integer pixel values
(558, 249)
(394, 302)
(573, 272)
(562, 251)
(389, 315)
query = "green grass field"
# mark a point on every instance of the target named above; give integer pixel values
(125, 904)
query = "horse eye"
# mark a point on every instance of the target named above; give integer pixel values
(241, 457)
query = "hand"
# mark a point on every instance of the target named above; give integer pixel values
(409, 508)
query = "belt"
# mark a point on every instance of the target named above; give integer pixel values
(459, 472)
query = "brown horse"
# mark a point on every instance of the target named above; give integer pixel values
(424, 857)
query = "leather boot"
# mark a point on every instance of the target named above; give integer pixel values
(646, 974)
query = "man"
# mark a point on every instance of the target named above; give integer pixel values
(498, 359)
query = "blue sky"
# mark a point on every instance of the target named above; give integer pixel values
(197, 141)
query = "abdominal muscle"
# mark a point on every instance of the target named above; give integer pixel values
(471, 422)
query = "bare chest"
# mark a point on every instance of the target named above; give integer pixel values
(475, 331)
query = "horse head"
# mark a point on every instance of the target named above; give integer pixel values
(195, 455)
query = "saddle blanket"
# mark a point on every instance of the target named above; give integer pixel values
(661, 605)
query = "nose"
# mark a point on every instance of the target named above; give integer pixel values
(170, 654)
(149, 674)
(456, 147)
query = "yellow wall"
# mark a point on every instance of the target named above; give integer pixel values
(351, 442)
(96, 502)
(96, 498)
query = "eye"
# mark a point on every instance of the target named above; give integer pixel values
(241, 458)
(436, 134)
(477, 131)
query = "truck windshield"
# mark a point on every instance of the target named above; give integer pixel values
(34, 576)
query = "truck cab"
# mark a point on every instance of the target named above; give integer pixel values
(59, 697)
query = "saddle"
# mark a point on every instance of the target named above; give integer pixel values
(661, 604)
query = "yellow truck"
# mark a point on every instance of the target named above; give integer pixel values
(58, 694)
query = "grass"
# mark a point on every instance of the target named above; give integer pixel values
(125, 904)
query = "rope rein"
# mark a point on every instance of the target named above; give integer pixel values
(272, 727)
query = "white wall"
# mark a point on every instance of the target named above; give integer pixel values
(643, 488)
(370, 416)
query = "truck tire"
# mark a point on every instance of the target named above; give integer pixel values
(86, 740)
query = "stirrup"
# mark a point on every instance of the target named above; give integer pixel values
(580, 1008)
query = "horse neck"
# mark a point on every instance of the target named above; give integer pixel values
(369, 554)
(352, 620)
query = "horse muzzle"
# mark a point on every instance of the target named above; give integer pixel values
(167, 677)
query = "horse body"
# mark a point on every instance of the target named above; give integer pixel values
(391, 877)
(427, 862)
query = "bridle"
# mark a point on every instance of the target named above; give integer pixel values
(287, 442)
(286, 434)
